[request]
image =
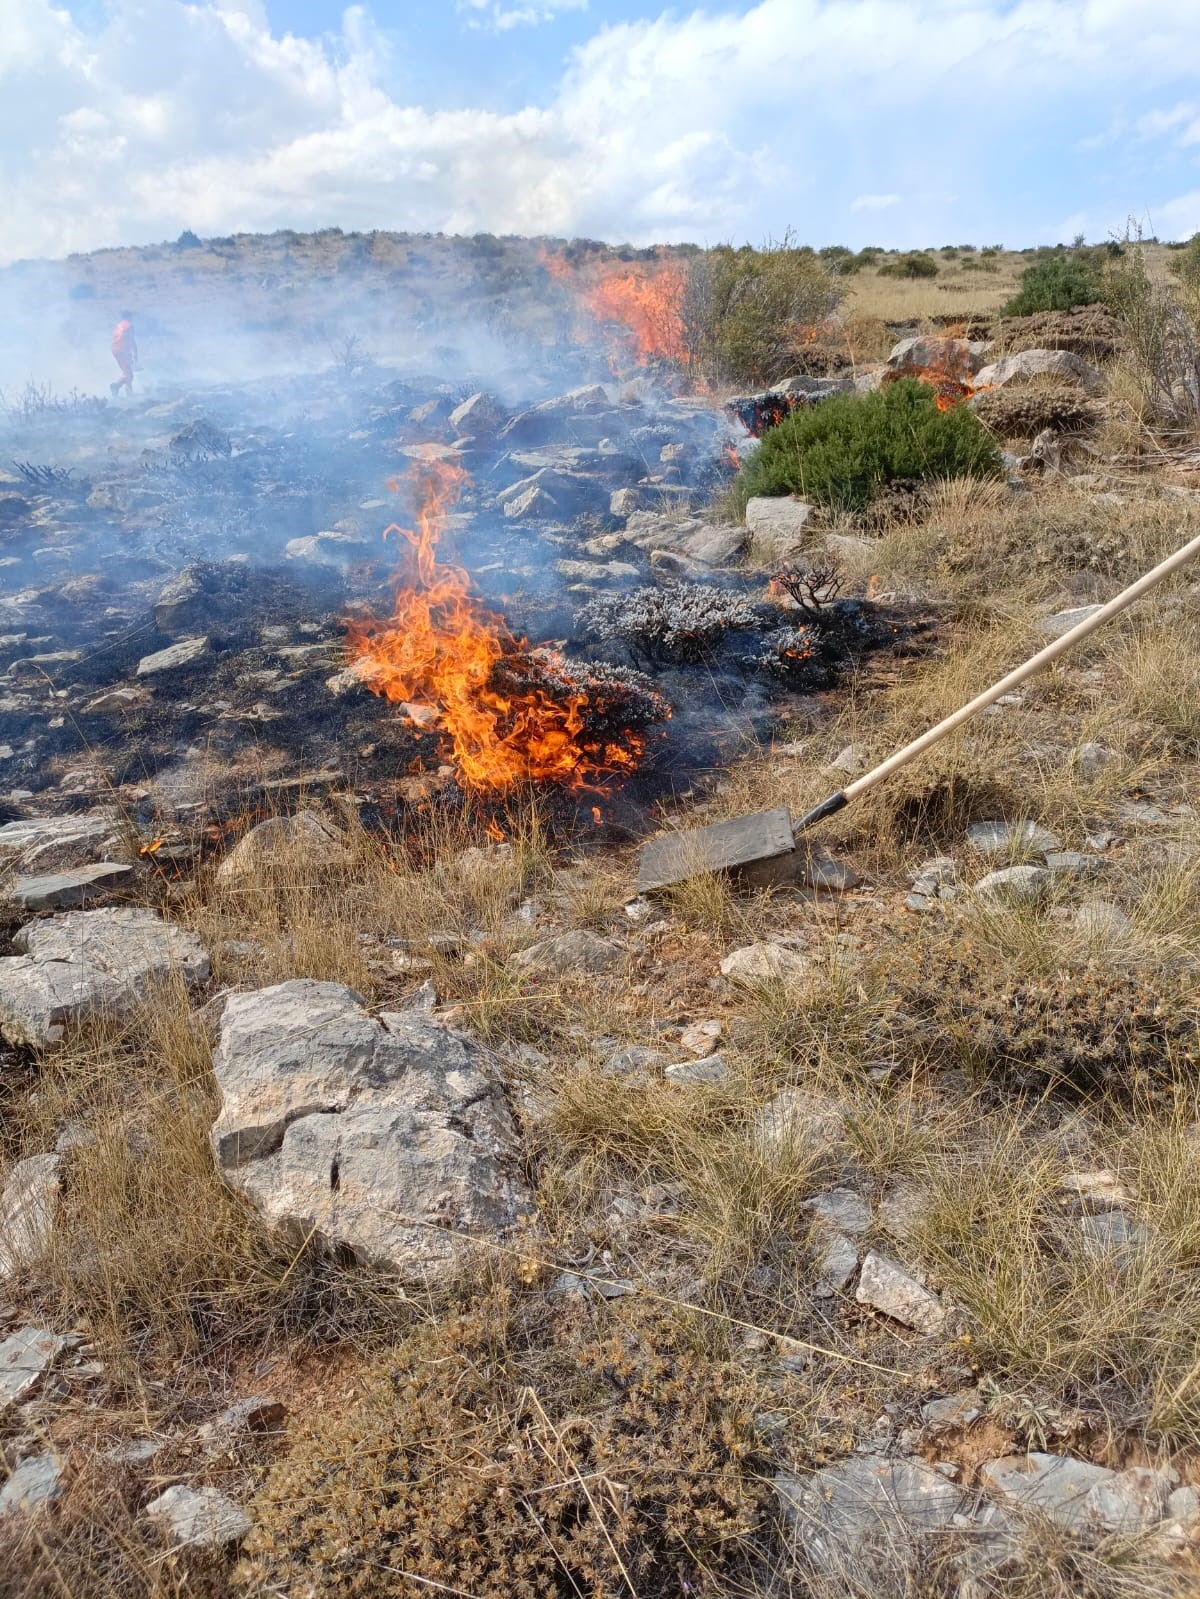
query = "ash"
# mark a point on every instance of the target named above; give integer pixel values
(682, 623)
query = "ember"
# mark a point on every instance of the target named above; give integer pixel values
(508, 714)
(951, 380)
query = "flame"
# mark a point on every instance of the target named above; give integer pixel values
(952, 382)
(436, 658)
(637, 303)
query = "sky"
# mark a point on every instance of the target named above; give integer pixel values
(893, 122)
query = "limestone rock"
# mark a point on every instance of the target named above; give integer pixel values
(386, 1137)
(198, 1517)
(25, 1358)
(85, 961)
(36, 1481)
(1040, 363)
(887, 1287)
(69, 889)
(1103, 922)
(798, 1119)
(1063, 621)
(1092, 759)
(308, 839)
(765, 963)
(711, 1069)
(54, 843)
(1129, 1501)
(841, 1208)
(479, 415)
(27, 1210)
(699, 1038)
(837, 1261)
(185, 653)
(1009, 838)
(956, 357)
(578, 951)
(1014, 885)
(785, 522)
(1055, 1485)
(331, 548)
(868, 1511)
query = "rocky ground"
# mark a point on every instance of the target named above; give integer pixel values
(388, 1208)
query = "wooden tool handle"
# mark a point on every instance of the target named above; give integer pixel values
(990, 695)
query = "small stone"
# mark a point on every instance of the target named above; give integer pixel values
(173, 657)
(25, 1358)
(765, 963)
(1100, 841)
(1096, 1190)
(198, 1517)
(307, 840)
(712, 1069)
(632, 1058)
(847, 761)
(888, 1288)
(1010, 838)
(1184, 1504)
(841, 1208)
(870, 1509)
(1072, 863)
(956, 1410)
(1112, 1233)
(819, 870)
(1063, 621)
(27, 1210)
(37, 1481)
(578, 951)
(699, 1037)
(1014, 885)
(837, 1261)
(1091, 759)
(934, 873)
(798, 1119)
(241, 1423)
(1100, 920)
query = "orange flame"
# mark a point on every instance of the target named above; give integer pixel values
(953, 383)
(436, 658)
(637, 302)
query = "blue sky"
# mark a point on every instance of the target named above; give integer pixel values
(900, 122)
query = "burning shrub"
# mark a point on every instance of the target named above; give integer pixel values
(846, 450)
(746, 313)
(1014, 412)
(682, 623)
(493, 1459)
(1057, 284)
(913, 264)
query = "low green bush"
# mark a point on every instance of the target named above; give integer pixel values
(913, 264)
(1058, 283)
(843, 451)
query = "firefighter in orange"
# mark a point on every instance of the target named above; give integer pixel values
(125, 353)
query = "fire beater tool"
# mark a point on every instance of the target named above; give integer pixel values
(757, 847)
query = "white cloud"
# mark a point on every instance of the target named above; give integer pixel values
(714, 124)
(496, 14)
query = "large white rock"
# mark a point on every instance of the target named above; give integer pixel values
(54, 843)
(956, 357)
(175, 656)
(786, 522)
(1057, 1486)
(1040, 363)
(87, 961)
(384, 1136)
(867, 1512)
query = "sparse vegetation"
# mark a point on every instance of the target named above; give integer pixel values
(914, 264)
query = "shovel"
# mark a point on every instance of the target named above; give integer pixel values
(757, 846)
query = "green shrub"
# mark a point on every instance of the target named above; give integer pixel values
(845, 450)
(1186, 262)
(745, 312)
(913, 264)
(1058, 283)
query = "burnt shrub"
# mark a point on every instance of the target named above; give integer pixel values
(579, 1457)
(1058, 283)
(846, 450)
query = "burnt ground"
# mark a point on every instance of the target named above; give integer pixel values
(251, 518)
